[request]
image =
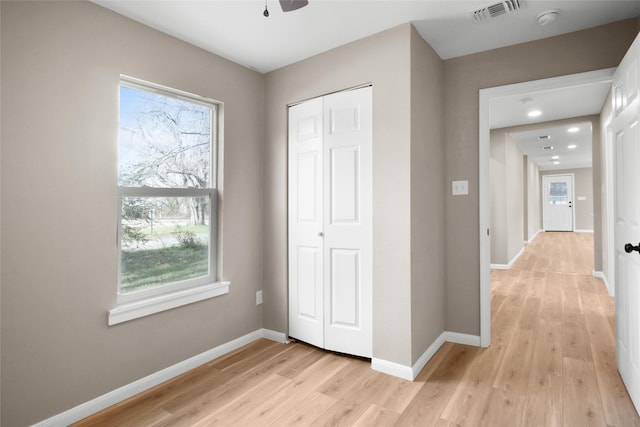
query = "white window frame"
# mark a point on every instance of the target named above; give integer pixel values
(132, 305)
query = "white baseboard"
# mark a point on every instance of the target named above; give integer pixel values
(507, 266)
(600, 275)
(583, 231)
(526, 242)
(118, 395)
(466, 339)
(427, 355)
(392, 368)
(275, 336)
(410, 373)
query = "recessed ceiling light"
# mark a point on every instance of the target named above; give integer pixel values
(556, 162)
(573, 130)
(534, 113)
(555, 157)
(547, 17)
(548, 147)
(544, 137)
(527, 100)
(572, 146)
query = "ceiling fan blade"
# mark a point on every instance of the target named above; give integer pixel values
(289, 5)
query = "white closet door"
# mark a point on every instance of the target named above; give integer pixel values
(330, 222)
(348, 221)
(306, 305)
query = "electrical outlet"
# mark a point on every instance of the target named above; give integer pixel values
(258, 297)
(460, 188)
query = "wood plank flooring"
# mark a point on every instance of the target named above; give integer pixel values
(551, 363)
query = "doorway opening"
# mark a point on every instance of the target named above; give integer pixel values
(487, 98)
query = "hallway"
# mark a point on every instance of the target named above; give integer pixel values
(552, 359)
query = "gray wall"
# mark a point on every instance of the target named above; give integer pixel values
(582, 186)
(427, 187)
(596, 192)
(533, 196)
(506, 188)
(61, 63)
(588, 50)
(390, 61)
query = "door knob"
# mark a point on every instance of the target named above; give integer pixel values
(628, 248)
(320, 234)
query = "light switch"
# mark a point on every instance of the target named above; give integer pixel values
(460, 188)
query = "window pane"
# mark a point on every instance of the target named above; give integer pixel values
(163, 240)
(558, 193)
(163, 141)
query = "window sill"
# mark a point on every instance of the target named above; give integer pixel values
(137, 309)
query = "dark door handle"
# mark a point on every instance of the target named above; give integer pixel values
(628, 248)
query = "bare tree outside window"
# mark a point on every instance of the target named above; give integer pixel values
(165, 148)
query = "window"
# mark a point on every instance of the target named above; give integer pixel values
(558, 193)
(167, 200)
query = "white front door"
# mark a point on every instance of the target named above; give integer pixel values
(557, 196)
(626, 140)
(330, 222)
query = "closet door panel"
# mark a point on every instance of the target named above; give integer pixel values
(345, 185)
(347, 221)
(306, 250)
(345, 288)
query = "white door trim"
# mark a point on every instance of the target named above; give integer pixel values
(610, 278)
(483, 180)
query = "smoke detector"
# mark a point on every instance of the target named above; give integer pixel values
(496, 9)
(547, 17)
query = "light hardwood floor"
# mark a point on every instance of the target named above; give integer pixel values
(551, 363)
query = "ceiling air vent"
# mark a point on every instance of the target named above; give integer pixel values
(496, 9)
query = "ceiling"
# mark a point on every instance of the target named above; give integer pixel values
(555, 104)
(238, 31)
(559, 138)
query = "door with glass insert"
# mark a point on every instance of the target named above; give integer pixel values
(557, 202)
